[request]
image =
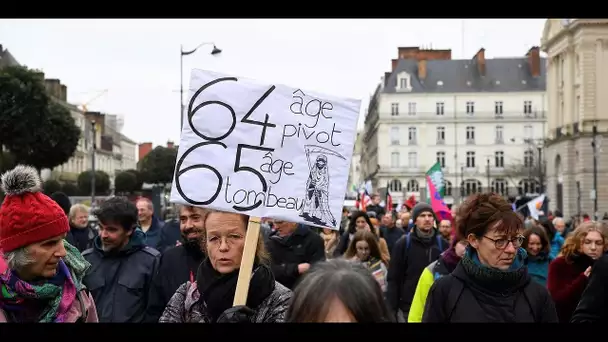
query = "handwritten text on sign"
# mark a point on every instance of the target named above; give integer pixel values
(265, 150)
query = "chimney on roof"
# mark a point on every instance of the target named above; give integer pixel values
(534, 61)
(480, 60)
(394, 64)
(63, 93)
(422, 69)
(386, 76)
(53, 87)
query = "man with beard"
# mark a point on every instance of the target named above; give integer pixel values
(178, 264)
(122, 266)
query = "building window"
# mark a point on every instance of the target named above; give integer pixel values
(470, 186)
(404, 82)
(527, 107)
(498, 107)
(528, 158)
(528, 186)
(500, 186)
(439, 108)
(412, 159)
(528, 133)
(394, 135)
(470, 134)
(411, 108)
(499, 159)
(395, 159)
(394, 109)
(448, 188)
(412, 186)
(395, 186)
(440, 135)
(470, 107)
(499, 135)
(441, 158)
(411, 135)
(470, 159)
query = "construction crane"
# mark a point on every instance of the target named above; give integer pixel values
(101, 93)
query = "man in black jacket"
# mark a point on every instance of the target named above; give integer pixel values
(178, 264)
(293, 248)
(122, 265)
(593, 305)
(410, 255)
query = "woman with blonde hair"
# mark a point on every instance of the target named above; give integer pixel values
(569, 272)
(365, 248)
(210, 297)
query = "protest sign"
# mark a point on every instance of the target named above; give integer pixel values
(265, 150)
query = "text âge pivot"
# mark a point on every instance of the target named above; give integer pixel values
(313, 108)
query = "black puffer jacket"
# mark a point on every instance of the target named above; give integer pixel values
(593, 306)
(461, 297)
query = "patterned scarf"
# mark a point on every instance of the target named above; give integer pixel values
(494, 279)
(59, 292)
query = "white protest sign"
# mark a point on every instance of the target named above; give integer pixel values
(265, 150)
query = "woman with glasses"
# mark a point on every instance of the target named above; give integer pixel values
(491, 283)
(569, 272)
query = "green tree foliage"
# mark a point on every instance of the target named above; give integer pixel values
(125, 183)
(138, 176)
(70, 189)
(102, 183)
(50, 186)
(35, 129)
(158, 166)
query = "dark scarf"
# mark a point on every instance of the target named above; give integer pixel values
(581, 261)
(425, 237)
(449, 257)
(217, 290)
(493, 279)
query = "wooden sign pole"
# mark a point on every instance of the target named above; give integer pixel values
(251, 243)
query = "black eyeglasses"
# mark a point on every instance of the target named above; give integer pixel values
(503, 243)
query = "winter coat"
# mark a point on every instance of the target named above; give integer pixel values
(405, 268)
(177, 265)
(461, 297)
(186, 306)
(286, 253)
(593, 306)
(566, 283)
(120, 281)
(432, 272)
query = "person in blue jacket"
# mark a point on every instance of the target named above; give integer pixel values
(537, 245)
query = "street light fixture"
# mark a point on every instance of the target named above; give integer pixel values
(182, 53)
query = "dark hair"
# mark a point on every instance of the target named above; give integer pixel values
(117, 210)
(372, 241)
(549, 228)
(348, 281)
(482, 211)
(544, 239)
(353, 221)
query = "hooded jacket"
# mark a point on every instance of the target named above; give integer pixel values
(120, 281)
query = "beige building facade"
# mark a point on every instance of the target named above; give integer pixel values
(577, 91)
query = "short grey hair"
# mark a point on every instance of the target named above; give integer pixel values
(18, 259)
(78, 208)
(558, 219)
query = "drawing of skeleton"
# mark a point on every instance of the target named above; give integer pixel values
(316, 205)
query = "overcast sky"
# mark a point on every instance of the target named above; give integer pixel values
(137, 61)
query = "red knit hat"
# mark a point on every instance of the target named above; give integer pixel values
(27, 215)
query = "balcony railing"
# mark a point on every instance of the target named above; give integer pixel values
(464, 116)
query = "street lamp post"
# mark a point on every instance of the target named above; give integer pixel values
(183, 53)
(594, 144)
(93, 147)
(488, 173)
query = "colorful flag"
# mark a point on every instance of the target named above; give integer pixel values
(436, 176)
(535, 206)
(389, 199)
(411, 202)
(439, 207)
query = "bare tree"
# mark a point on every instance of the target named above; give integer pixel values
(517, 170)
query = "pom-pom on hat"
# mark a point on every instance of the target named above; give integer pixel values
(27, 215)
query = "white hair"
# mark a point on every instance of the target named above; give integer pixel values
(78, 208)
(557, 219)
(18, 258)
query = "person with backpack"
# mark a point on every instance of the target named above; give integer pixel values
(411, 254)
(491, 282)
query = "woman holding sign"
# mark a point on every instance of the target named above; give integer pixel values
(210, 297)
